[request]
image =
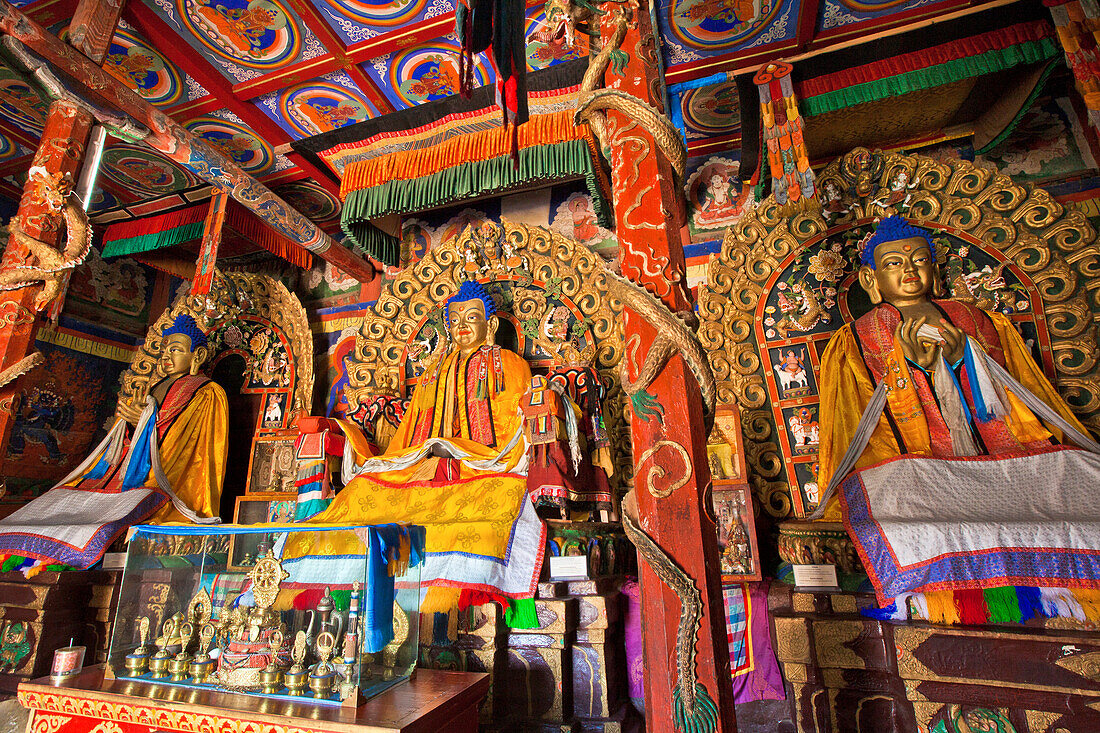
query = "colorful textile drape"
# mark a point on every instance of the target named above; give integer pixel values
(986, 53)
(1077, 25)
(150, 233)
(753, 664)
(1002, 604)
(446, 167)
(793, 181)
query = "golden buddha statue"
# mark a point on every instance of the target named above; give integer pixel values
(456, 465)
(170, 469)
(917, 346)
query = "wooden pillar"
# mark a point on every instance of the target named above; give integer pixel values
(211, 238)
(669, 440)
(60, 152)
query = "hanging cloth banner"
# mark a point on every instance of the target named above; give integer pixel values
(1077, 24)
(788, 160)
(211, 238)
(151, 233)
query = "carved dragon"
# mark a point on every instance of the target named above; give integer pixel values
(54, 192)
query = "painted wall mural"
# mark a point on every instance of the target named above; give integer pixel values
(716, 196)
(237, 141)
(713, 109)
(143, 69)
(144, 171)
(549, 42)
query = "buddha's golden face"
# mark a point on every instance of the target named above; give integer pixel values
(177, 358)
(904, 271)
(468, 325)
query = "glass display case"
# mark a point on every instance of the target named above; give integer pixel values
(324, 614)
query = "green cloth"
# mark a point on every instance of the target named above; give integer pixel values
(540, 163)
(154, 240)
(521, 614)
(1028, 52)
(1003, 605)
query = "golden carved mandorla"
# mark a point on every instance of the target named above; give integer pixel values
(551, 264)
(233, 296)
(1053, 245)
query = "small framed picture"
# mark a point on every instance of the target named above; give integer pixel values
(736, 521)
(272, 468)
(274, 414)
(244, 549)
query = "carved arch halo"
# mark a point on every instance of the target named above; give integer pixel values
(543, 271)
(1051, 251)
(235, 298)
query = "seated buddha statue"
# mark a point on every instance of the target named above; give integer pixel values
(922, 350)
(456, 465)
(169, 470)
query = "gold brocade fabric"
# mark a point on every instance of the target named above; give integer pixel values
(470, 513)
(193, 453)
(847, 385)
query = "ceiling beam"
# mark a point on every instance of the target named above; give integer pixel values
(177, 143)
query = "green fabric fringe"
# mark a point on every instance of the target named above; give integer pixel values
(154, 240)
(1003, 605)
(465, 181)
(521, 614)
(1028, 52)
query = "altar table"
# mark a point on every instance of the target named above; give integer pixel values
(432, 700)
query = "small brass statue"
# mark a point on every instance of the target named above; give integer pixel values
(179, 666)
(323, 677)
(158, 665)
(201, 664)
(271, 678)
(137, 661)
(296, 678)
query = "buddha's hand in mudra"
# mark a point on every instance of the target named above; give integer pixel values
(130, 410)
(921, 350)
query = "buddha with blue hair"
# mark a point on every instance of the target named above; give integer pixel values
(457, 465)
(170, 468)
(916, 343)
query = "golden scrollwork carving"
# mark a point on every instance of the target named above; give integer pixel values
(534, 263)
(1056, 247)
(233, 297)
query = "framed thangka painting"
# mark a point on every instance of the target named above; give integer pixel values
(782, 286)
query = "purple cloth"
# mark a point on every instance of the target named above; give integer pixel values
(634, 663)
(755, 670)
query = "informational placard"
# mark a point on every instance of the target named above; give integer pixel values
(569, 567)
(815, 577)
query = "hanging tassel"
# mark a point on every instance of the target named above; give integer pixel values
(1060, 602)
(439, 599)
(37, 567)
(971, 605)
(521, 614)
(887, 613)
(1031, 605)
(941, 607)
(10, 562)
(1090, 603)
(1003, 605)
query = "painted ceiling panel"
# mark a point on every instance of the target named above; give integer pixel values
(322, 104)
(699, 28)
(835, 14)
(243, 39)
(713, 109)
(360, 20)
(143, 172)
(11, 149)
(425, 73)
(547, 42)
(20, 104)
(136, 63)
(229, 134)
(310, 199)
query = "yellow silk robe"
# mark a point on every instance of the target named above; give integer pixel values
(476, 412)
(192, 428)
(847, 385)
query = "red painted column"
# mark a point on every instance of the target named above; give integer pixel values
(669, 446)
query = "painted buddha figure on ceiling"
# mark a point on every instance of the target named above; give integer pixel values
(917, 344)
(170, 469)
(456, 465)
